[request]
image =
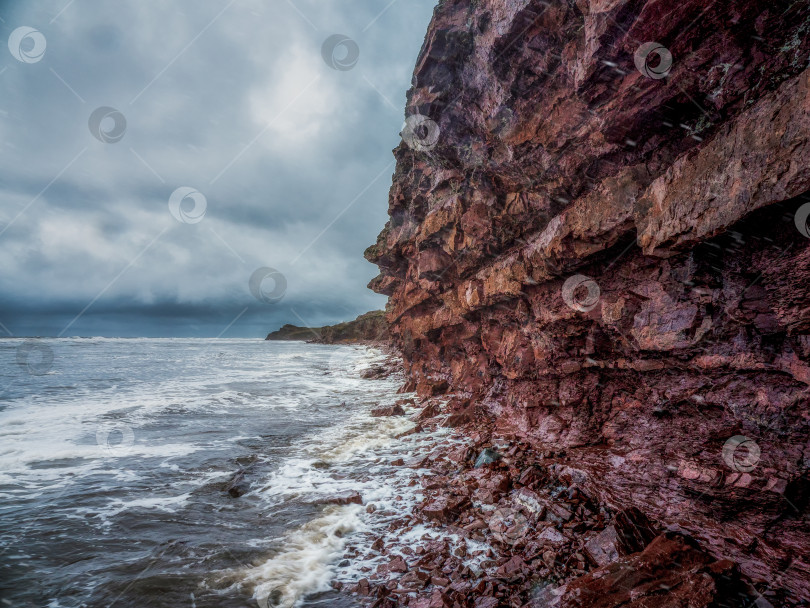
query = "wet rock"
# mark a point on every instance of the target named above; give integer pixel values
(375, 372)
(531, 501)
(363, 587)
(392, 410)
(508, 525)
(487, 456)
(458, 419)
(511, 568)
(412, 580)
(396, 565)
(237, 485)
(418, 463)
(630, 532)
(552, 536)
(440, 600)
(557, 512)
(344, 498)
(431, 410)
(671, 572)
(444, 509)
(532, 476)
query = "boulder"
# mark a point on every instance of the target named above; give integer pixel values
(629, 532)
(444, 509)
(391, 410)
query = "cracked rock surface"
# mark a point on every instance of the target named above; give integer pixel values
(600, 261)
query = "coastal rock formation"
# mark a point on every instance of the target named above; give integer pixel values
(369, 327)
(511, 527)
(599, 242)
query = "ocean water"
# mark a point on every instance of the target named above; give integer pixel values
(114, 454)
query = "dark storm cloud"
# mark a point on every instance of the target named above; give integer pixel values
(232, 99)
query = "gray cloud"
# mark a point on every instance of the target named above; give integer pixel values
(230, 98)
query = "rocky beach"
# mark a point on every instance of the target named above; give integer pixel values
(495, 522)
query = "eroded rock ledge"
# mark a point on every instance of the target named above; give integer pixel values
(675, 199)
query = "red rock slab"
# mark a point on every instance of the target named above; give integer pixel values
(444, 509)
(672, 572)
(393, 410)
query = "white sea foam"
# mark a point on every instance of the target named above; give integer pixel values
(49, 440)
(169, 504)
(309, 559)
(36, 429)
(306, 562)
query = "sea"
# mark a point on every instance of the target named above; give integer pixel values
(115, 456)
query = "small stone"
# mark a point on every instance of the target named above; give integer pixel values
(397, 565)
(487, 456)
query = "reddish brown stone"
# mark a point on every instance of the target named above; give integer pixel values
(671, 573)
(363, 587)
(630, 532)
(512, 567)
(459, 419)
(345, 498)
(431, 410)
(393, 410)
(396, 565)
(444, 508)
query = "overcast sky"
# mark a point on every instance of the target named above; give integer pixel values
(231, 99)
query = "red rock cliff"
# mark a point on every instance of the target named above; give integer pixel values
(602, 244)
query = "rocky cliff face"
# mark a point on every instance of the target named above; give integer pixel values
(599, 240)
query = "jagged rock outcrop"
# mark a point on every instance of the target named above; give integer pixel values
(368, 327)
(609, 254)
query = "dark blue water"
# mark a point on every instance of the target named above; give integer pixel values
(114, 455)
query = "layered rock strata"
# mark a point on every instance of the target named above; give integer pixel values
(599, 241)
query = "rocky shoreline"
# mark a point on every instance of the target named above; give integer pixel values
(507, 525)
(598, 246)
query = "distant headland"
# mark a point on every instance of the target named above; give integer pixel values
(369, 327)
